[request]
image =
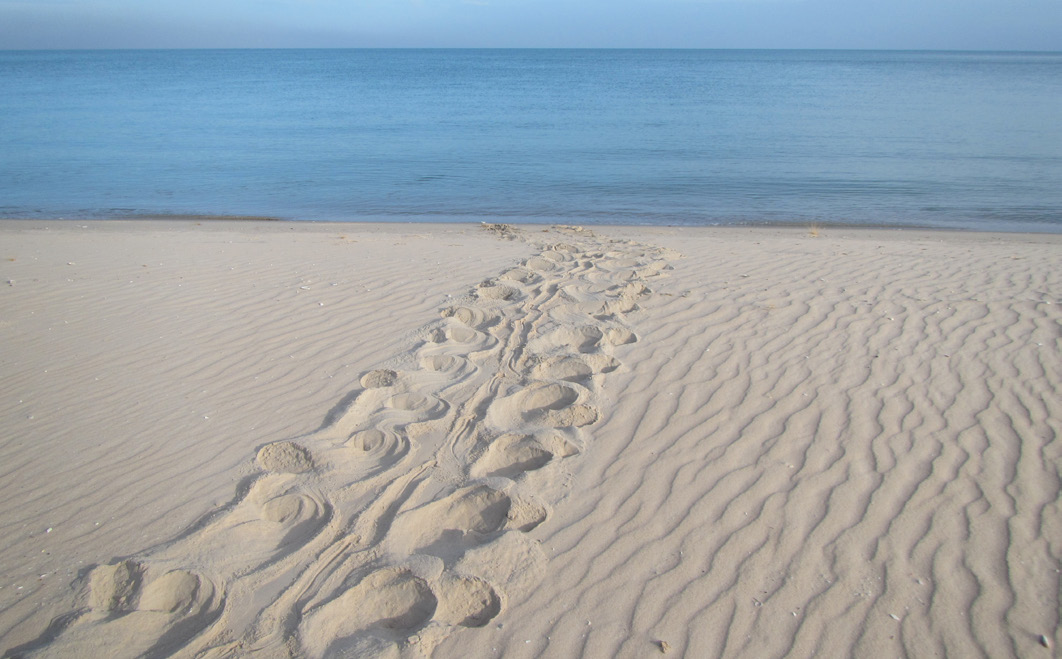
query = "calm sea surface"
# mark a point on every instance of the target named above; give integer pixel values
(967, 140)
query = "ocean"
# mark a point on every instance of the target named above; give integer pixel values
(968, 140)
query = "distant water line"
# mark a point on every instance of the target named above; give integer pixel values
(689, 137)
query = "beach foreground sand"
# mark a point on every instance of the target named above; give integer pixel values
(226, 438)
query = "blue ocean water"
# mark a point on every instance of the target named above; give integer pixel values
(940, 139)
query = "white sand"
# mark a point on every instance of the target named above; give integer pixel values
(333, 440)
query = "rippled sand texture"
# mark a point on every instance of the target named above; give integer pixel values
(145, 364)
(832, 446)
(382, 441)
(406, 516)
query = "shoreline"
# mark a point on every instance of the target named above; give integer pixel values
(718, 440)
(234, 222)
(1048, 228)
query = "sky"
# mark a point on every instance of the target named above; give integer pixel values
(860, 24)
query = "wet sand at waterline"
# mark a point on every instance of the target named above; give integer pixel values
(316, 440)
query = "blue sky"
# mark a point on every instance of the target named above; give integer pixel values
(916, 24)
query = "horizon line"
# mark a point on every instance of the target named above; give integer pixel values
(686, 48)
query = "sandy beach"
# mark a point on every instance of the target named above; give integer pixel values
(226, 438)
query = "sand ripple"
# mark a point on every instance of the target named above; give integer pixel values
(778, 445)
(823, 447)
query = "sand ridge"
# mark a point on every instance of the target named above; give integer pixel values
(843, 445)
(406, 516)
(785, 443)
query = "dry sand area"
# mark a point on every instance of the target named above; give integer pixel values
(227, 439)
